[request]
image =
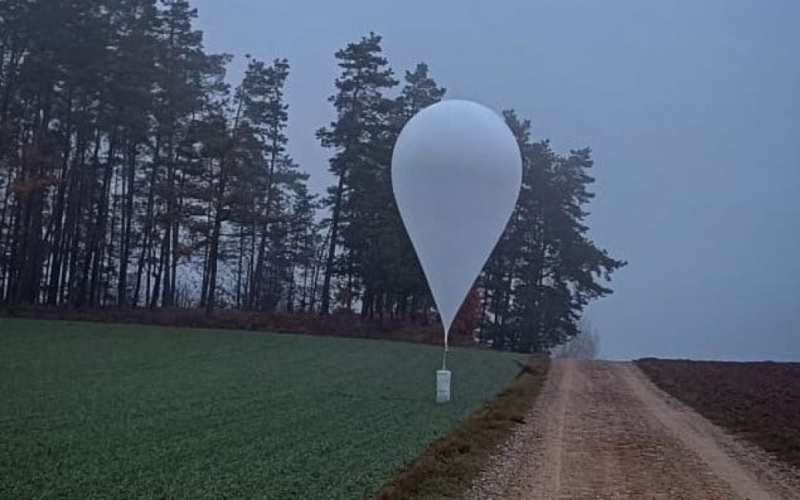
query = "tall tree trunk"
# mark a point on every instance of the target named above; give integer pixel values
(32, 204)
(176, 227)
(167, 252)
(57, 244)
(157, 279)
(98, 238)
(240, 268)
(13, 266)
(148, 223)
(82, 288)
(326, 283)
(206, 262)
(127, 223)
(213, 253)
(258, 276)
(76, 198)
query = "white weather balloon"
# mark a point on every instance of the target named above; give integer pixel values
(456, 175)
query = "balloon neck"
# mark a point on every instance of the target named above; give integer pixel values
(444, 352)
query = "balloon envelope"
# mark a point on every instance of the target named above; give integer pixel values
(456, 175)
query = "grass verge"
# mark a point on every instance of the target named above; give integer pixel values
(449, 465)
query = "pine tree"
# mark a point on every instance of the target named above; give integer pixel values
(271, 114)
(187, 77)
(362, 110)
(392, 277)
(545, 269)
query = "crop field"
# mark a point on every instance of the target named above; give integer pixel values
(111, 411)
(757, 401)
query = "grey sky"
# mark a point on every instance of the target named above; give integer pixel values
(692, 109)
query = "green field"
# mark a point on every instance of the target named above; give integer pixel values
(113, 411)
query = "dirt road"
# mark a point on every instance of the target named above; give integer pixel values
(602, 430)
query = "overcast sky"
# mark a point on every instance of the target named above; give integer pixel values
(692, 109)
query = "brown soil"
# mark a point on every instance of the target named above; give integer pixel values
(756, 401)
(602, 430)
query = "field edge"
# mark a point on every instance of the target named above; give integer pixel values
(338, 324)
(447, 468)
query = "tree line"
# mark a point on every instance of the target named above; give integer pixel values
(134, 174)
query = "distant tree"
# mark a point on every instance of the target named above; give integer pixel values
(584, 345)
